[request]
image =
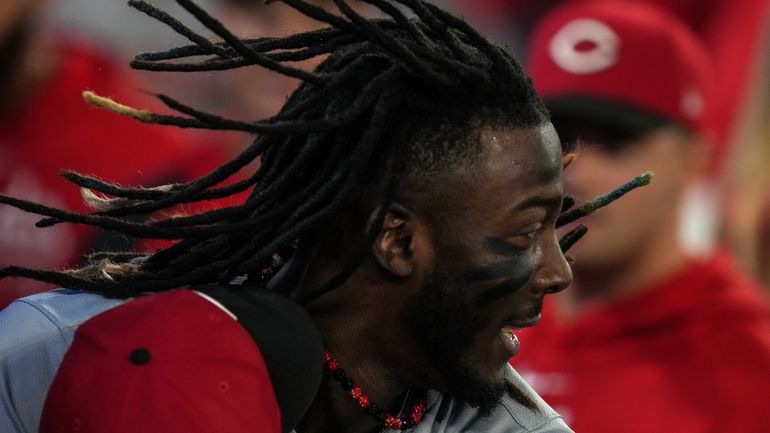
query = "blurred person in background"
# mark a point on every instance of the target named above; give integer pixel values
(45, 126)
(733, 33)
(650, 338)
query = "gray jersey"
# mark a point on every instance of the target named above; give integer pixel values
(446, 415)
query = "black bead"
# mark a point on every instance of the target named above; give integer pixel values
(140, 356)
(346, 383)
(339, 374)
(376, 412)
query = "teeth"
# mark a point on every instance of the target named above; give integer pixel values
(509, 340)
(510, 332)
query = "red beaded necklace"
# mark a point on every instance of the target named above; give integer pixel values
(387, 420)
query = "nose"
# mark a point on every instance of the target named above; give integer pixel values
(555, 273)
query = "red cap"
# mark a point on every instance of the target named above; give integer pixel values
(634, 66)
(172, 362)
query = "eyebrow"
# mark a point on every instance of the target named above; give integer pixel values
(553, 201)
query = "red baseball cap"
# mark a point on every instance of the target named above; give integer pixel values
(628, 65)
(188, 361)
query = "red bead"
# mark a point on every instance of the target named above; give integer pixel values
(393, 422)
(332, 365)
(356, 392)
(418, 412)
(415, 416)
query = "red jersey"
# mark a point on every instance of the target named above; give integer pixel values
(56, 129)
(691, 355)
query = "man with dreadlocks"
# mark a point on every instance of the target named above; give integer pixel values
(413, 186)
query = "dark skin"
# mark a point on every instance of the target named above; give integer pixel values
(488, 232)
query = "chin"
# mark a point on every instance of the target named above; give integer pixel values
(475, 373)
(491, 372)
(480, 389)
(497, 376)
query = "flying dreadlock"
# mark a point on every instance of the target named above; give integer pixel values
(394, 99)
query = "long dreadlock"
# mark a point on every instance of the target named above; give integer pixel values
(350, 128)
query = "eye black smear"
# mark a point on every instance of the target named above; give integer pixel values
(516, 271)
(502, 248)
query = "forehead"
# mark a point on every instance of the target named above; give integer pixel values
(523, 156)
(516, 166)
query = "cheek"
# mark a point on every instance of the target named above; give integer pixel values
(665, 158)
(454, 250)
(654, 203)
(501, 278)
(595, 172)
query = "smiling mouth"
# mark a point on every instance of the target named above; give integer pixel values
(531, 317)
(527, 323)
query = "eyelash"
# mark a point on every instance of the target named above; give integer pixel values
(532, 234)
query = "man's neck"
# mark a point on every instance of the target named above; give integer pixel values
(364, 329)
(371, 342)
(358, 346)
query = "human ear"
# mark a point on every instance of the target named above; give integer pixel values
(393, 248)
(567, 160)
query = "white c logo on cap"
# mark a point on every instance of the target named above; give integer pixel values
(602, 52)
(692, 104)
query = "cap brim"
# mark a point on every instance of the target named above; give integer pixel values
(613, 115)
